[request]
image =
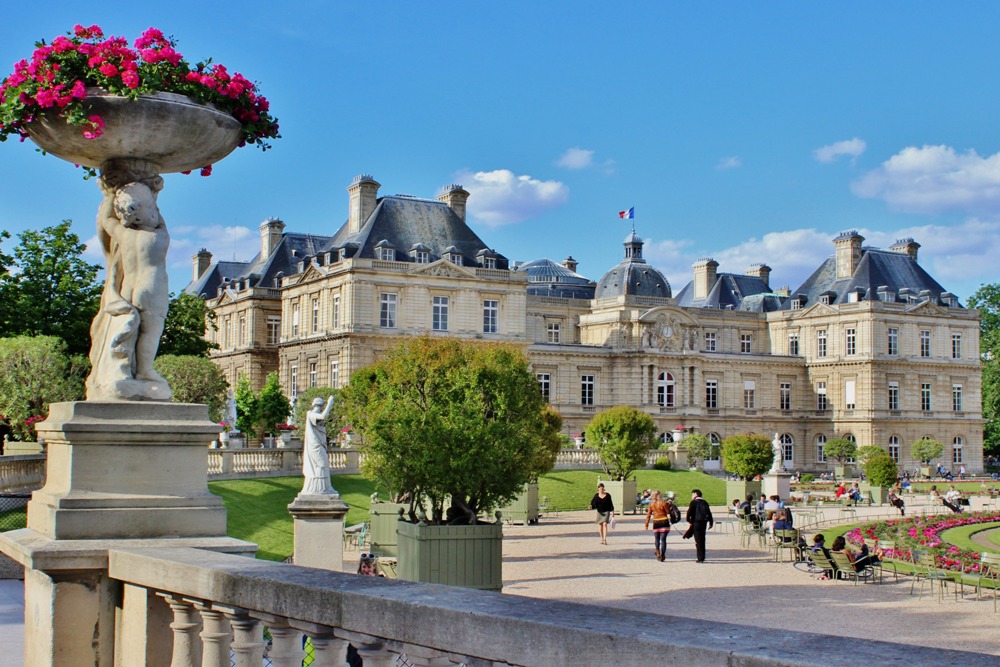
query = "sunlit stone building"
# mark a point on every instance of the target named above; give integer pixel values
(869, 347)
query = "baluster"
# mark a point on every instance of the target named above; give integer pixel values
(376, 654)
(248, 637)
(214, 635)
(329, 651)
(286, 646)
(187, 644)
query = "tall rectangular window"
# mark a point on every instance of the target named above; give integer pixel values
(273, 330)
(545, 384)
(793, 343)
(850, 395)
(335, 312)
(956, 346)
(294, 384)
(956, 397)
(243, 330)
(334, 372)
(295, 319)
(315, 320)
(925, 343)
(712, 394)
(746, 343)
(387, 312)
(894, 448)
(749, 394)
(821, 343)
(851, 341)
(586, 390)
(893, 343)
(710, 341)
(925, 396)
(893, 395)
(821, 396)
(785, 395)
(439, 316)
(957, 457)
(491, 315)
(553, 332)
(821, 448)
(313, 375)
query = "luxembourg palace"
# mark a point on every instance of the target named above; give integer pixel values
(869, 347)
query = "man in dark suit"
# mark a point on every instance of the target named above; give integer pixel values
(699, 515)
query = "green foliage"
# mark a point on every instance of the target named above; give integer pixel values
(840, 450)
(551, 442)
(622, 435)
(747, 455)
(867, 453)
(699, 448)
(926, 450)
(808, 477)
(881, 470)
(188, 318)
(246, 408)
(195, 380)
(662, 463)
(35, 372)
(443, 417)
(48, 289)
(273, 407)
(987, 300)
(304, 403)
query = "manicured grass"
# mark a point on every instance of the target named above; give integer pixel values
(569, 490)
(833, 532)
(962, 536)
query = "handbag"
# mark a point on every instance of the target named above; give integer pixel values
(689, 532)
(614, 521)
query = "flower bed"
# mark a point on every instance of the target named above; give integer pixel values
(923, 533)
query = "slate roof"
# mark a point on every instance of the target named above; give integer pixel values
(733, 291)
(548, 278)
(876, 269)
(633, 276)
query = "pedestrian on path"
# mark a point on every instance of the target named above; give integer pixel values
(699, 516)
(659, 514)
(605, 511)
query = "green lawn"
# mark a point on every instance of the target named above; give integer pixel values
(962, 536)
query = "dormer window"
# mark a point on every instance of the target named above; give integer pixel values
(489, 262)
(826, 298)
(452, 254)
(385, 252)
(420, 253)
(798, 301)
(487, 258)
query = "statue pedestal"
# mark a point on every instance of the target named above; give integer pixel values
(678, 455)
(318, 521)
(777, 484)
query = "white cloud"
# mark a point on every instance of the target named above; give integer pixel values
(731, 162)
(501, 197)
(576, 158)
(853, 147)
(225, 242)
(934, 179)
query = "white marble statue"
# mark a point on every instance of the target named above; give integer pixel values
(776, 465)
(231, 414)
(126, 332)
(315, 460)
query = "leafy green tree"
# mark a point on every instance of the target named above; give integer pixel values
(840, 450)
(188, 319)
(867, 453)
(699, 448)
(747, 455)
(53, 291)
(35, 372)
(926, 450)
(622, 436)
(444, 418)
(881, 470)
(247, 409)
(551, 443)
(273, 407)
(195, 379)
(987, 300)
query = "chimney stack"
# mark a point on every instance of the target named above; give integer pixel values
(201, 260)
(848, 253)
(363, 194)
(704, 277)
(907, 245)
(570, 263)
(762, 271)
(456, 197)
(270, 236)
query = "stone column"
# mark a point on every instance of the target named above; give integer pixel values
(318, 522)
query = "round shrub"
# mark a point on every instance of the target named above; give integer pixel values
(807, 478)
(661, 463)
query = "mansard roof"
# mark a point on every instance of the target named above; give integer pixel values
(877, 270)
(405, 221)
(733, 291)
(548, 278)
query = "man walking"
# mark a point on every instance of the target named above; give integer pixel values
(699, 515)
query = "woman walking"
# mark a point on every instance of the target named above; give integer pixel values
(659, 514)
(605, 511)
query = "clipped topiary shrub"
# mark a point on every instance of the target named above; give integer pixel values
(808, 477)
(661, 463)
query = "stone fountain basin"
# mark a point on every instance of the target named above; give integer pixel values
(170, 130)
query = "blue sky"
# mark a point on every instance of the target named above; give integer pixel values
(747, 132)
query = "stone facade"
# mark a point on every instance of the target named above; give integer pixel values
(869, 347)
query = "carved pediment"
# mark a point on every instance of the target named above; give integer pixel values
(311, 273)
(667, 329)
(815, 310)
(441, 269)
(926, 308)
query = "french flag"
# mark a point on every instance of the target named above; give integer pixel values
(627, 215)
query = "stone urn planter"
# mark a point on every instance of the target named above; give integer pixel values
(384, 518)
(622, 493)
(469, 556)
(524, 508)
(224, 439)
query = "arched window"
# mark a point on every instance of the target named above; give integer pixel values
(894, 448)
(787, 448)
(820, 446)
(666, 438)
(716, 448)
(850, 436)
(665, 390)
(957, 445)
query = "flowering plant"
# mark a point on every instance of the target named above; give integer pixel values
(226, 426)
(57, 76)
(286, 427)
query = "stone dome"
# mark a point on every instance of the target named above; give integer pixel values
(633, 276)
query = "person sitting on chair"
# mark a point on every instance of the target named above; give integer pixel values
(840, 546)
(897, 502)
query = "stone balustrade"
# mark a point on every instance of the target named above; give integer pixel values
(22, 473)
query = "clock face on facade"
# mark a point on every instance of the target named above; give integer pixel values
(668, 331)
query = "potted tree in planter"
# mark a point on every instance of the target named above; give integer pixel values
(448, 420)
(882, 474)
(622, 436)
(926, 450)
(841, 450)
(699, 448)
(747, 456)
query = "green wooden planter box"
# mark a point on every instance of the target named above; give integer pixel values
(469, 556)
(843, 472)
(524, 508)
(622, 494)
(880, 494)
(384, 517)
(739, 489)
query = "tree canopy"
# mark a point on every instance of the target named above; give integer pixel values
(188, 318)
(881, 469)
(987, 300)
(195, 379)
(622, 436)
(840, 450)
(443, 418)
(747, 455)
(35, 372)
(926, 450)
(699, 448)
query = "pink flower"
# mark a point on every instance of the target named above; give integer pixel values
(107, 69)
(130, 79)
(79, 90)
(96, 125)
